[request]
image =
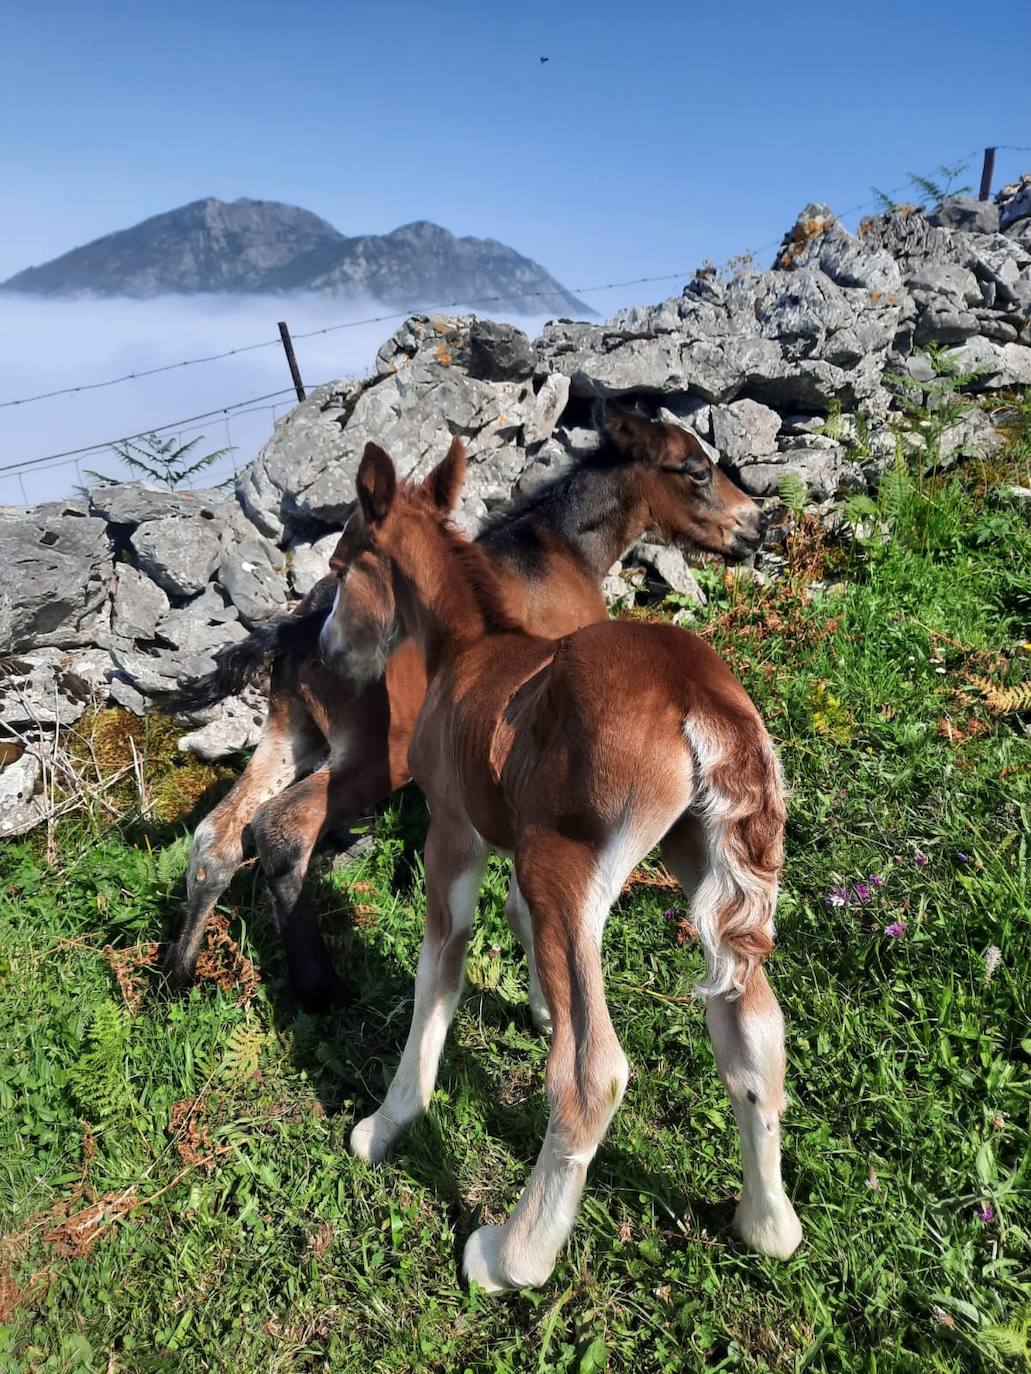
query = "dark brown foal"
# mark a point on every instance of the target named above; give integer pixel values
(577, 756)
(555, 548)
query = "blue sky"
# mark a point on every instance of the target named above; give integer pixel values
(656, 135)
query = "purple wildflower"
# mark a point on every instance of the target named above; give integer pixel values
(964, 858)
(671, 913)
(986, 1214)
(863, 892)
(875, 880)
(838, 896)
(920, 859)
(896, 930)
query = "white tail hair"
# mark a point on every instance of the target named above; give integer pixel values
(740, 803)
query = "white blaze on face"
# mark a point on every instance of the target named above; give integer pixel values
(330, 639)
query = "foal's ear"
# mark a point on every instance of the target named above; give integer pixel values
(648, 441)
(376, 483)
(444, 484)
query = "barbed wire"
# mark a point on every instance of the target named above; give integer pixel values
(494, 299)
(239, 409)
(54, 458)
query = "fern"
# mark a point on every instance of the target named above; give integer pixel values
(859, 508)
(794, 493)
(242, 1054)
(164, 461)
(98, 1079)
(1005, 701)
(172, 861)
(933, 189)
(832, 426)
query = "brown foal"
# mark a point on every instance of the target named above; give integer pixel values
(576, 755)
(332, 749)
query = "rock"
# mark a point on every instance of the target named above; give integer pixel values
(689, 411)
(185, 642)
(134, 503)
(232, 726)
(963, 212)
(820, 469)
(412, 412)
(499, 352)
(123, 693)
(34, 692)
(1020, 495)
(670, 564)
(253, 573)
(997, 366)
(972, 436)
(56, 575)
(621, 584)
(304, 444)
(138, 603)
(851, 262)
(1014, 202)
(232, 733)
(308, 563)
(744, 429)
(178, 553)
(20, 807)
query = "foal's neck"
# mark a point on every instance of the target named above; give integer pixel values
(604, 511)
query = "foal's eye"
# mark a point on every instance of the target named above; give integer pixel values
(700, 475)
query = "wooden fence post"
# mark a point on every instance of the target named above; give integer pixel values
(987, 172)
(288, 349)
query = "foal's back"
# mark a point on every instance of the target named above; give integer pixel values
(579, 731)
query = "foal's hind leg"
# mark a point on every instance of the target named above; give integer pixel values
(455, 859)
(289, 743)
(286, 831)
(517, 913)
(748, 1038)
(587, 1070)
(747, 1031)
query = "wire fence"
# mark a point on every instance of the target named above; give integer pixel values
(273, 401)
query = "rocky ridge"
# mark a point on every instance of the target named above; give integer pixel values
(117, 596)
(263, 246)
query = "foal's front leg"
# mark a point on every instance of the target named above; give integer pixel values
(455, 860)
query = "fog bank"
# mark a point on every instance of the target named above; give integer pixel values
(50, 344)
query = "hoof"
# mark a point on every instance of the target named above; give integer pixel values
(372, 1139)
(485, 1263)
(770, 1227)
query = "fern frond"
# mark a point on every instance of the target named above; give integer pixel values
(98, 1079)
(793, 492)
(1004, 701)
(242, 1053)
(172, 861)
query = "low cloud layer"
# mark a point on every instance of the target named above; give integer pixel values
(46, 345)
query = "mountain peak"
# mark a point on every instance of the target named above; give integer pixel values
(246, 245)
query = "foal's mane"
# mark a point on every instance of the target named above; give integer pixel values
(472, 566)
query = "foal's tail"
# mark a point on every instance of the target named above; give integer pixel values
(292, 635)
(740, 803)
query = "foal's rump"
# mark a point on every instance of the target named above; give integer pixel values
(656, 739)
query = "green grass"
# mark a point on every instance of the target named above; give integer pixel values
(243, 1236)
